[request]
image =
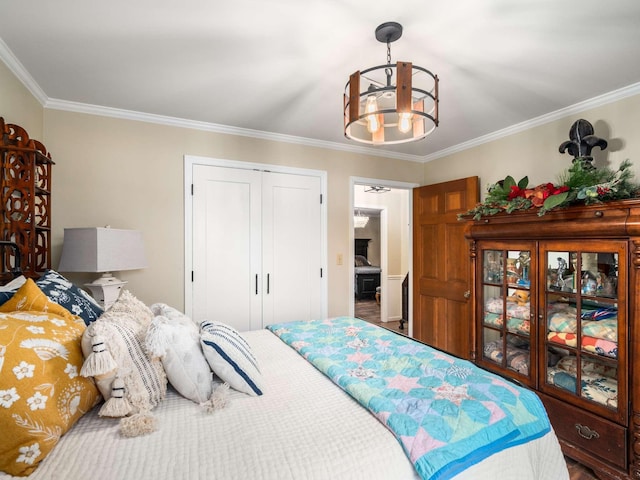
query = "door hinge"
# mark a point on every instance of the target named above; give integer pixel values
(321, 273)
(320, 199)
(192, 275)
(192, 189)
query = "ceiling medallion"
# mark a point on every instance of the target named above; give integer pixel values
(393, 103)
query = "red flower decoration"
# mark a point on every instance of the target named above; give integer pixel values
(538, 194)
(516, 192)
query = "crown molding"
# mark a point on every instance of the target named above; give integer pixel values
(57, 104)
(13, 64)
(600, 100)
(16, 67)
(604, 99)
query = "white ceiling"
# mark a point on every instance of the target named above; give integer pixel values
(278, 68)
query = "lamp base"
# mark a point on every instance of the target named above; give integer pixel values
(106, 289)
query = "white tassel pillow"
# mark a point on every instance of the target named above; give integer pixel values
(175, 339)
(130, 381)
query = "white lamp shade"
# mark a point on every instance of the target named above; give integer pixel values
(102, 250)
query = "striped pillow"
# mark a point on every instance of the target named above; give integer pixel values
(122, 330)
(230, 357)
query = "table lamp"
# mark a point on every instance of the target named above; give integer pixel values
(102, 250)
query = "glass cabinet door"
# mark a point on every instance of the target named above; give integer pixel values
(582, 331)
(506, 310)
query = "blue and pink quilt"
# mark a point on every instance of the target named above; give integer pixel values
(447, 413)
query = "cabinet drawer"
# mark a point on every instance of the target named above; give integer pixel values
(602, 438)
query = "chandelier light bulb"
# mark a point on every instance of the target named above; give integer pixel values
(405, 122)
(373, 125)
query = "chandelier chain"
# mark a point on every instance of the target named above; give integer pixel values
(388, 71)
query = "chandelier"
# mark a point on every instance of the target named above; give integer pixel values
(376, 189)
(392, 103)
(360, 220)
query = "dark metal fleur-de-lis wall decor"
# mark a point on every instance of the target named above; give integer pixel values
(581, 142)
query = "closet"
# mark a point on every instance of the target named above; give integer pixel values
(257, 246)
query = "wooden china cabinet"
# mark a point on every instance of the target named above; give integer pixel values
(556, 309)
(25, 196)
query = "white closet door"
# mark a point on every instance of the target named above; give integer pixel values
(227, 246)
(291, 247)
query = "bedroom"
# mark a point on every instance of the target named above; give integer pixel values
(97, 148)
(93, 151)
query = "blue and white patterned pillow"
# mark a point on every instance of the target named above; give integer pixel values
(7, 291)
(64, 293)
(61, 291)
(5, 296)
(230, 357)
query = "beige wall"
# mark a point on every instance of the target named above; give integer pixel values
(129, 174)
(18, 106)
(534, 152)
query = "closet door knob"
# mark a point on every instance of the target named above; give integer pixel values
(467, 294)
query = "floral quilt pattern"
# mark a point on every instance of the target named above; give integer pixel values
(447, 413)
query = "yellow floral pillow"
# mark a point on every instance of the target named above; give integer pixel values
(41, 391)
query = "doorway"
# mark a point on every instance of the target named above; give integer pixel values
(367, 232)
(381, 252)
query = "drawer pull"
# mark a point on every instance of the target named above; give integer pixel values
(598, 213)
(586, 432)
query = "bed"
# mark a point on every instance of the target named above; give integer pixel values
(367, 277)
(296, 415)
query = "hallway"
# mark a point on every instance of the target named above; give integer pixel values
(369, 310)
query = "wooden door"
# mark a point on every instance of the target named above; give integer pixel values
(442, 308)
(291, 248)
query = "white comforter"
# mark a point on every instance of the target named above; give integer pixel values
(303, 427)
